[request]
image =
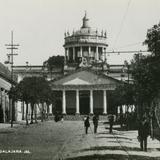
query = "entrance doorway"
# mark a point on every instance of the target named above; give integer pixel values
(1, 114)
(84, 102)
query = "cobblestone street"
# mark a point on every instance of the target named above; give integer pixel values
(54, 141)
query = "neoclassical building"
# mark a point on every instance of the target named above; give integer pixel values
(83, 92)
(85, 87)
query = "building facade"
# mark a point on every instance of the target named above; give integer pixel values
(87, 80)
(85, 87)
(83, 92)
(5, 85)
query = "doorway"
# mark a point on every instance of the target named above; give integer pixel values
(84, 97)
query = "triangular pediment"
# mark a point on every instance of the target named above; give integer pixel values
(85, 77)
(76, 81)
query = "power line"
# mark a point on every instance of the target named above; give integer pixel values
(140, 51)
(122, 23)
(129, 45)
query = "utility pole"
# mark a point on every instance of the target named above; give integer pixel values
(10, 61)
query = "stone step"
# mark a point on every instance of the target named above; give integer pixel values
(80, 117)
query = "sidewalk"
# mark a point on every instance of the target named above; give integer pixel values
(119, 145)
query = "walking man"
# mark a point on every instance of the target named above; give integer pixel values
(143, 133)
(86, 124)
(95, 123)
(111, 120)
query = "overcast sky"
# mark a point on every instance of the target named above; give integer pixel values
(39, 25)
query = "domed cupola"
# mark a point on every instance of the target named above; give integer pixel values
(86, 44)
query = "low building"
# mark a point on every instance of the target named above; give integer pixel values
(5, 85)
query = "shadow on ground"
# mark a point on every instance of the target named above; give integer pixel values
(116, 137)
(113, 148)
(112, 157)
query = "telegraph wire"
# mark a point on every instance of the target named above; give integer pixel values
(129, 45)
(122, 23)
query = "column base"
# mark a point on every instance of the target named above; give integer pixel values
(77, 113)
(104, 113)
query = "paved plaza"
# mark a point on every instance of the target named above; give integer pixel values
(67, 140)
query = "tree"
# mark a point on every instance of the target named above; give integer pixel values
(124, 94)
(146, 71)
(153, 40)
(33, 90)
(54, 62)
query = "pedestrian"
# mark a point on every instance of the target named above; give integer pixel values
(95, 122)
(62, 119)
(143, 132)
(111, 120)
(86, 124)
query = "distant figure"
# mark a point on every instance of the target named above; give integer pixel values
(86, 124)
(57, 117)
(62, 119)
(111, 120)
(121, 120)
(95, 122)
(143, 133)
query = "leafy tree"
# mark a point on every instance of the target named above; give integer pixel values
(153, 40)
(124, 94)
(54, 62)
(33, 90)
(146, 71)
(146, 80)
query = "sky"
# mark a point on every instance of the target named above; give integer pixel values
(39, 26)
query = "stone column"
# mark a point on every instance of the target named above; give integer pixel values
(91, 101)
(22, 108)
(64, 102)
(81, 51)
(105, 56)
(77, 101)
(104, 102)
(97, 56)
(65, 57)
(50, 108)
(89, 51)
(68, 56)
(4, 105)
(74, 54)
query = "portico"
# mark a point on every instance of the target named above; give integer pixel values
(77, 103)
(84, 92)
